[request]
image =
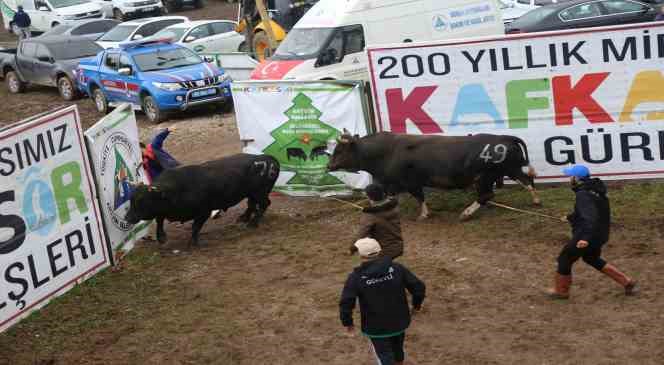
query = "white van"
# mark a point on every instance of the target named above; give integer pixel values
(328, 43)
(46, 14)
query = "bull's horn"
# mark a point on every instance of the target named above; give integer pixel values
(153, 188)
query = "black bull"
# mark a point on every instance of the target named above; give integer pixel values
(408, 163)
(192, 192)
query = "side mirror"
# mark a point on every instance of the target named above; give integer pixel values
(208, 59)
(136, 37)
(43, 8)
(124, 71)
(189, 38)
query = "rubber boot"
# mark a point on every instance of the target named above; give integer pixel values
(561, 287)
(620, 278)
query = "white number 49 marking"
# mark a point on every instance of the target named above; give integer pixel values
(500, 150)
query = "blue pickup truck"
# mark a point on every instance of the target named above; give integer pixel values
(155, 76)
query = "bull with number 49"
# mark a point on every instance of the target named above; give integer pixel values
(193, 192)
(409, 163)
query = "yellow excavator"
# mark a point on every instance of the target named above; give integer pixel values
(266, 22)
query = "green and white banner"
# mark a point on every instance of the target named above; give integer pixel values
(117, 161)
(51, 234)
(295, 122)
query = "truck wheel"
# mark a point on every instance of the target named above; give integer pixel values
(101, 103)
(151, 110)
(261, 46)
(117, 14)
(14, 83)
(67, 88)
(198, 4)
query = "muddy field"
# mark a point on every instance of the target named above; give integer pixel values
(269, 295)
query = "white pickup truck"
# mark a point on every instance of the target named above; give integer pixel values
(46, 14)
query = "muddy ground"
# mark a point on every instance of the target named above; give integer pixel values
(269, 295)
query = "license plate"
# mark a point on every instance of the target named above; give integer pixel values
(147, 10)
(203, 93)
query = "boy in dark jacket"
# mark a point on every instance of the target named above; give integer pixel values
(591, 221)
(381, 222)
(380, 285)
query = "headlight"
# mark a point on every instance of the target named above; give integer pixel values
(69, 17)
(168, 86)
(223, 78)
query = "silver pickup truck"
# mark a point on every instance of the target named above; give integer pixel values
(48, 61)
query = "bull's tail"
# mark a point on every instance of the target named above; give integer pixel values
(524, 149)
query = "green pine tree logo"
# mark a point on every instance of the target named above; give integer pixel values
(122, 172)
(300, 144)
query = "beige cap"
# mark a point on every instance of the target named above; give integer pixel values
(367, 247)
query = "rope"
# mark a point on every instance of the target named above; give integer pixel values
(346, 202)
(526, 211)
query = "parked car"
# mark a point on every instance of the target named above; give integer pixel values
(88, 28)
(127, 9)
(156, 77)
(137, 29)
(583, 14)
(175, 5)
(214, 36)
(47, 14)
(513, 9)
(48, 61)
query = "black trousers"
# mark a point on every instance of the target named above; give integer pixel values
(591, 255)
(389, 350)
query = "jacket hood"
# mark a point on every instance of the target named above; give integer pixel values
(593, 184)
(194, 72)
(375, 268)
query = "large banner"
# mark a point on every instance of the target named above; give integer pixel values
(51, 235)
(117, 161)
(298, 123)
(593, 96)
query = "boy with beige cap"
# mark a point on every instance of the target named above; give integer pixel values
(380, 285)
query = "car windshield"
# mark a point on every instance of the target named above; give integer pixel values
(74, 50)
(303, 43)
(66, 3)
(173, 34)
(119, 33)
(162, 60)
(533, 17)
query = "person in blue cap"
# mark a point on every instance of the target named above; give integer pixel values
(591, 221)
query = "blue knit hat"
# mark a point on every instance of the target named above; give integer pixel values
(578, 171)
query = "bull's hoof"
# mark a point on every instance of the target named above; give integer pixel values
(537, 203)
(422, 217)
(465, 217)
(242, 219)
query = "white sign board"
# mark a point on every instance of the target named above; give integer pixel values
(592, 96)
(117, 160)
(297, 122)
(51, 235)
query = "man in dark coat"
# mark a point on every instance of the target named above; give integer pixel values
(591, 221)
(21, 21)
(380, 285)
(381, 222)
